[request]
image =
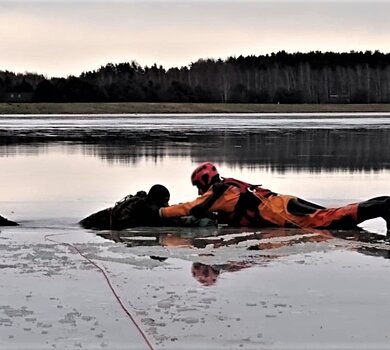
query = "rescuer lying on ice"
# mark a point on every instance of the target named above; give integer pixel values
(238, 203)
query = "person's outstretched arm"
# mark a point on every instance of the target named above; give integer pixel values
(213, 200)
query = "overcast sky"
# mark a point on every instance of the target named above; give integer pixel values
(59, 38)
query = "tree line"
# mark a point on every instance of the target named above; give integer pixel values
(314, 77)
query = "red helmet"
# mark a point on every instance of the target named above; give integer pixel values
(203, 176)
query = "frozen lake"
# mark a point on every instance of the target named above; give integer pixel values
(273, 288)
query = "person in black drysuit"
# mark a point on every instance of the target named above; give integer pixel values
(6, 222)
(140, 209)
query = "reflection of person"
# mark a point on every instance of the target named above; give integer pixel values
(6, 222)
(241, 204)
(172, 240)
(280, 237)
(208, 274)
(205, 274)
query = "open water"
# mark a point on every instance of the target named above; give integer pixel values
(63, 167)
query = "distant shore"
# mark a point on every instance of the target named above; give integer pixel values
(131, 108)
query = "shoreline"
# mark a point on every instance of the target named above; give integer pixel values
(183, 108)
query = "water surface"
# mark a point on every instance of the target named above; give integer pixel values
(57, 167)
(291, 288)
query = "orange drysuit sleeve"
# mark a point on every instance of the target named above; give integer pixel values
(225, 203)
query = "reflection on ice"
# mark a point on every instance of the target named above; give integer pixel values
(222, 236)
(232, 249)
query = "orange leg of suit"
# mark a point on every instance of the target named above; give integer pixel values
(274, 209)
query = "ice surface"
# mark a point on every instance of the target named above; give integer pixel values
(325, 294)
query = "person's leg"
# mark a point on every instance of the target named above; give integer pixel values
(340, 218)
(289, 211)
(275, 209)
(300, 207)
(373, 208)
(351, 215)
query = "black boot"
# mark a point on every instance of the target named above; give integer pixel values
(374, 208)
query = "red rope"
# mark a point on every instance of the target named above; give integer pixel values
(127, 312)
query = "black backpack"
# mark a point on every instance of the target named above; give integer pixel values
(111, 218)
(125, 211)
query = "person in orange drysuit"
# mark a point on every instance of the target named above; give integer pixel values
(238, 203)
